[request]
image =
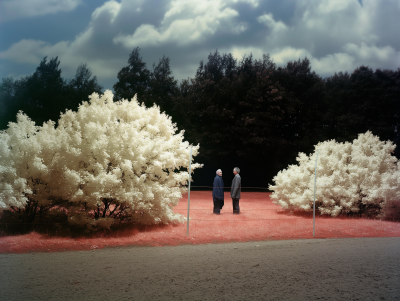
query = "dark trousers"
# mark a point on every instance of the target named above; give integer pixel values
(218, 204)
(235, 205)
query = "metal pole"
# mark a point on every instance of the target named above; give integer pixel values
(190, 177)
(315, 183)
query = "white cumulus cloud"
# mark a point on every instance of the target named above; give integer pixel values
(268, 20)
(185, 22)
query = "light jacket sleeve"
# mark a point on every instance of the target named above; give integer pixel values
(236, 187)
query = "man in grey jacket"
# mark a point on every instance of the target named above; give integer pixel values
(235, 190)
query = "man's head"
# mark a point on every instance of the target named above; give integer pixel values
(219, 172)
(236, 170)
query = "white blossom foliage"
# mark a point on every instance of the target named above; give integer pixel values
(351, 177)
(26, 163)
(108, 155)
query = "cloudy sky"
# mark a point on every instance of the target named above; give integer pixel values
(336, 35)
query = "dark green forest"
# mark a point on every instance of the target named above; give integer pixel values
(248, 113)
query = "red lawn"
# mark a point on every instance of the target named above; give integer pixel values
(259, 219)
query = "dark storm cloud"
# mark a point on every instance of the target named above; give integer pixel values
(18, 9)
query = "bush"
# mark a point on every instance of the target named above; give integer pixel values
(358, 177)
(109, 161)
(27, 170)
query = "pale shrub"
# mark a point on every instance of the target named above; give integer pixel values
(362, 176)
(27, 169)
(109, 160)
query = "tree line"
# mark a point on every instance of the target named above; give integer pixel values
(44, 94)
(245, 112)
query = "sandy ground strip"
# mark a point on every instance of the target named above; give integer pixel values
(312, 269)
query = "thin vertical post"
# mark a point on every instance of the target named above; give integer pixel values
(315, 184)
(190, 178)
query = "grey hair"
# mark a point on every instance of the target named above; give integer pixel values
(237, 169)
(218, 171)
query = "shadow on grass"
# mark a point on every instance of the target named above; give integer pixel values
(394, 217)
(57, 225)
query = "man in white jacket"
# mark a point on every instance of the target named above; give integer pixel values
(235, 190)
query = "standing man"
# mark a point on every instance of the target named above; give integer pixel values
(218, 192)
(235, 190)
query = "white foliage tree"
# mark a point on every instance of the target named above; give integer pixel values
(27, 168)
(362, 176)
(109, 160)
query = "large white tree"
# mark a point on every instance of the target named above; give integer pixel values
(108, 159)
(362, 176)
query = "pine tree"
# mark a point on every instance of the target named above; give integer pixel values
(162, 86)
(82, 85)
(133, 79)
(45, 92)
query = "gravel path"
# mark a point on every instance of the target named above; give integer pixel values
(314, 269)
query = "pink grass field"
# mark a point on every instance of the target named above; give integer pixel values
(259, 219)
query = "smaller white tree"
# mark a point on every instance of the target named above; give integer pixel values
(362, 176)
(28, 169)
